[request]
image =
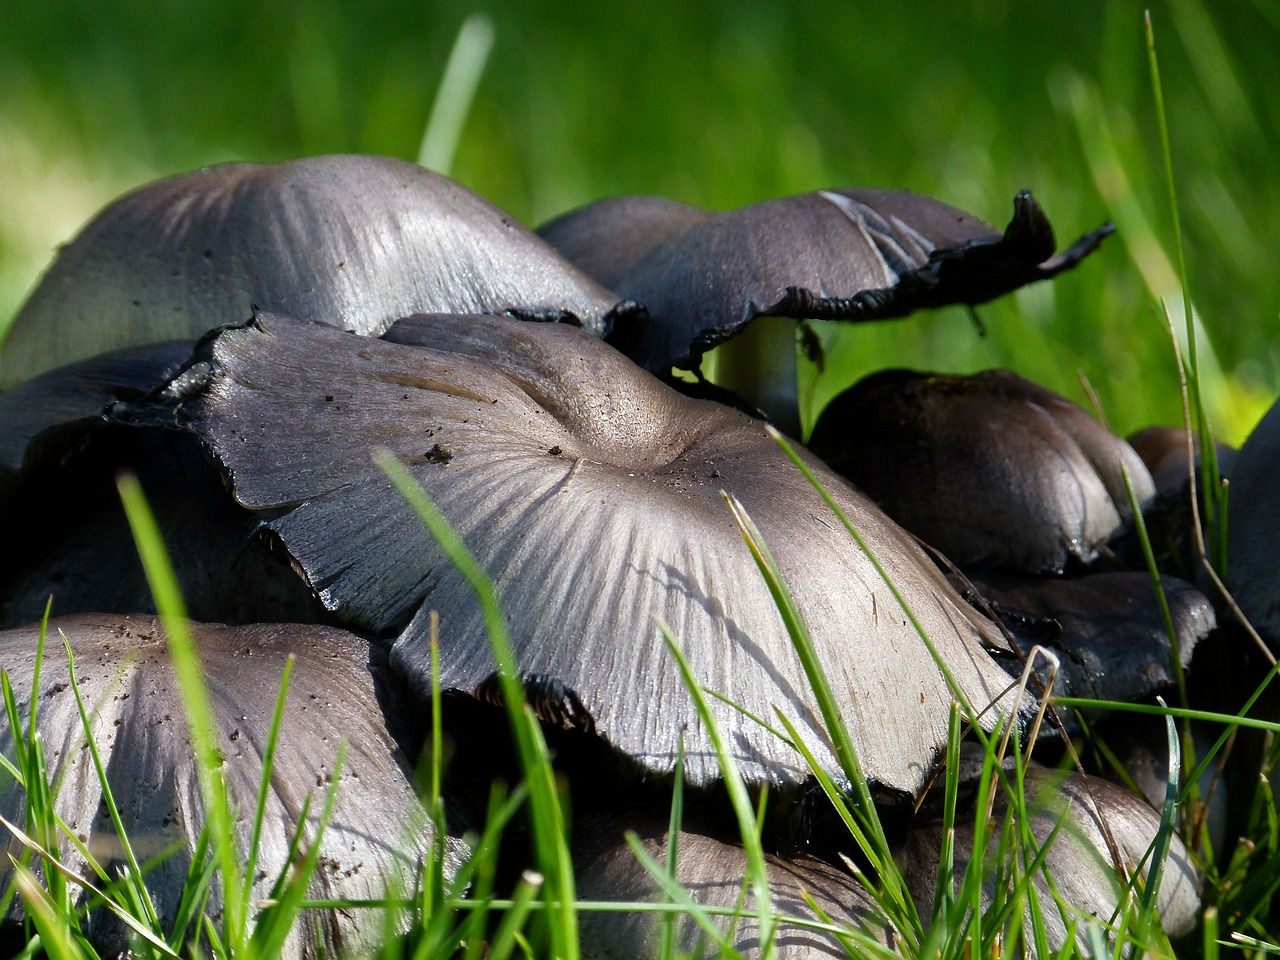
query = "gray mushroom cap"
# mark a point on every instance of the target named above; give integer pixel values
(713, 873)
(355, 241)
(80, 391)
(60, 508)
(832, 254)
(590, 493)
(378, 833)
(607, 238)
(1081, 861)
(991, 469)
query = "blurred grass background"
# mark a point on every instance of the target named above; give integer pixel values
(724, 103)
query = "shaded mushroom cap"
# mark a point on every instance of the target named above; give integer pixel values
(82, 390)
(1164, 451)
(1106, 628)
(591, 494)
(1080, 860)
(605, 239)
(714, 875)
(378, 833)
(72, 541)
(832, 254)
(355, 241)
(991, 469)
(1253, 528)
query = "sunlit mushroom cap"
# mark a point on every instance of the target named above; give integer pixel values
(1088, 872)
(377, 835)
(591, 494)
(832, 254)
(355, 241)
(991, 469)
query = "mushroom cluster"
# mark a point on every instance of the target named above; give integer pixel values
(244, 339)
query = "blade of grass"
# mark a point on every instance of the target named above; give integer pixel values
(549, 829)
(457, 89)
(195, 701)
(740, 801)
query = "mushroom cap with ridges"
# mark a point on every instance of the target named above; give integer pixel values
(714, 874)
(378, 833)
(591, 494)
(1080, 859)
(831, 254)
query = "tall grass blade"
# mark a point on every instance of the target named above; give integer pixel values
(757, 872)
(1211, 481)
(549, 830)
(457, 89)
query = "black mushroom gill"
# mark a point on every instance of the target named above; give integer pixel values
(340, 689)
(591, 494)
(356, 241)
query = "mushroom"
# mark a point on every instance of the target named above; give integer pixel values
(991, 469)
(832, 255)
(591, 494)
(607, 238)
(62, 513)
(339, 691)
(1253, 528)
(1106, 629)
(356, 241)
(714, 874)
(1087, 871)
(80, 391)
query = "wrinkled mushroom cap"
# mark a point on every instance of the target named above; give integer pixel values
(355, 241)
(377, 835)
(831, 254)
(991, 469)
(591, 494)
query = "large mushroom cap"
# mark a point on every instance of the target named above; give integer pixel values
(591, 494)
(340, 686)
(833, 254)
(356, 241)
(991, 469)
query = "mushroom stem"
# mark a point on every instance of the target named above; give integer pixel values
(759, 365)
